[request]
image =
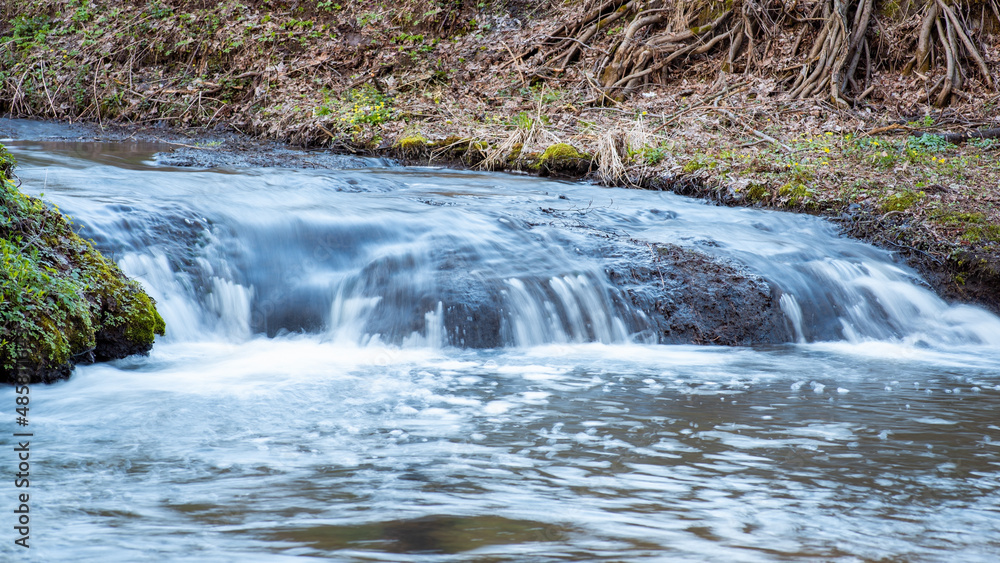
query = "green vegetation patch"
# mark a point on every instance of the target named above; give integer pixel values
(901, 201)
(61, 302)
(757, 192)
(412, 144)
(563, 158)
(559, 152)
(982, 234)
(957, 218)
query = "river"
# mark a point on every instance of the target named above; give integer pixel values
(315, 395)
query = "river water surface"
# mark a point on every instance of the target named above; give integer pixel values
(318, 395)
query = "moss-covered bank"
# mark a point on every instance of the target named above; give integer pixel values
(61, 302)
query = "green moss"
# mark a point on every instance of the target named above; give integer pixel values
(757, 192)
(515, 151)
(124, 305)
(901, 201)
(57, 293)
(957, 219)
(560, 152)
(144, 322)
(698, 162)
(561, 158)
(692, 166)
(796, 193)
(412, 144)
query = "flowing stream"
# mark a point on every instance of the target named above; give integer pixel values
(376, 363)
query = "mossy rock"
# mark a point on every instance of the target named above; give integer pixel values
(61, 302)
(562, 159)
(412, 145)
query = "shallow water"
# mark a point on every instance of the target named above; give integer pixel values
(311, 398)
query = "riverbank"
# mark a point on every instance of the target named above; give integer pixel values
(456, 86)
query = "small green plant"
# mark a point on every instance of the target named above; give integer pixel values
(368, 18)
(880, 152)
(796, 193)
(159, 10)
(927, 144)
(359, 106)
(408, 38)
(27, 32)
(654, 155)
(698, 162)
(985, 144)
(523, 120)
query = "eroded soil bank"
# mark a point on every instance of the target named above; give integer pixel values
(901, 154)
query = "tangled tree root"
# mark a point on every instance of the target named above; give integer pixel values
(943, 28)
(836, 52)
(657, 34)
(839, 65)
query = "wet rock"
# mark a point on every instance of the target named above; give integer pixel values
(693, 298)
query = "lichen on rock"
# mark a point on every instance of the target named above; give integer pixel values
(61, 301)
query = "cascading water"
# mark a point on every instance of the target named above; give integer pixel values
(377, 363)
(358, 254)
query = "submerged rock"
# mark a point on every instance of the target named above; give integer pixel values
(61, 302)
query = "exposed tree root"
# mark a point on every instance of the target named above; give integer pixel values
(829, 69)
(942, 27)
(656, 34)
(633, 42)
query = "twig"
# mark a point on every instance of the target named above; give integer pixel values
(760, 134)
(517, 67)
(44, 85)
